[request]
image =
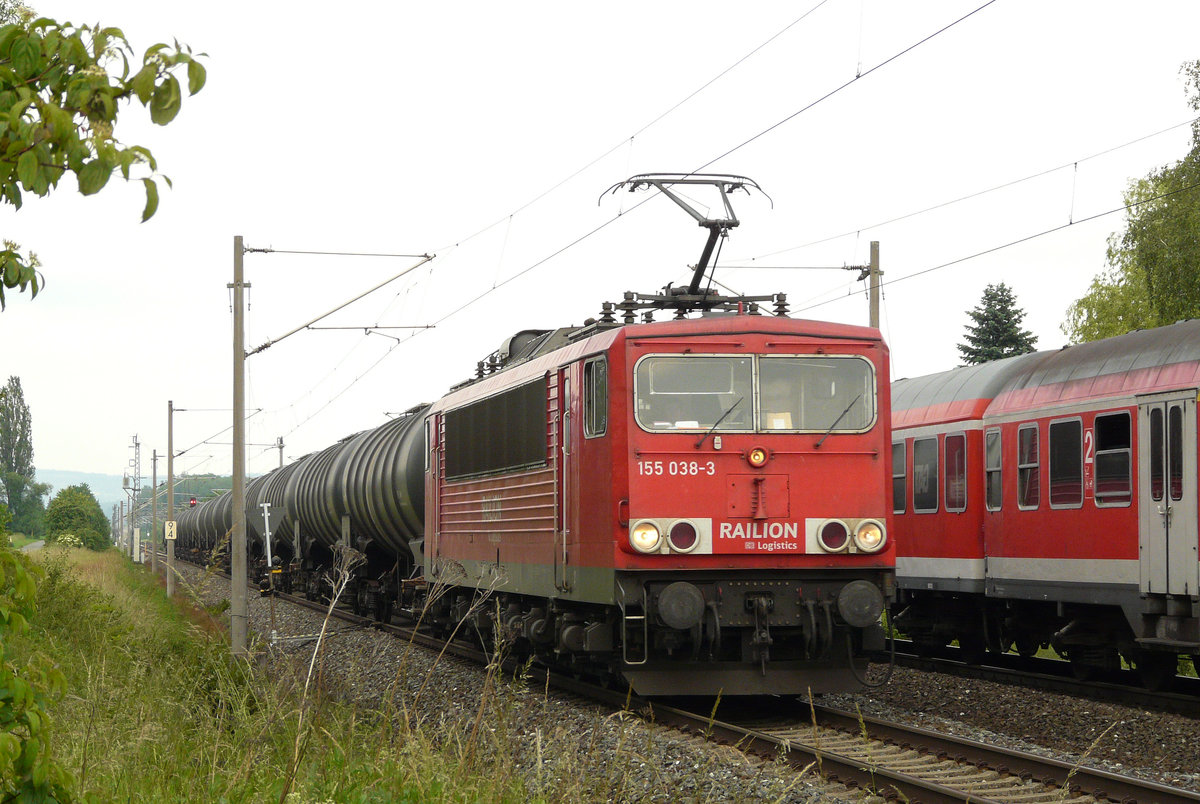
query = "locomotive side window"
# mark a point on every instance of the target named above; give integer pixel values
(1066, 464)
(992, 470)
(816, 394)
(595, 397)
(501, 433)
(956, 473)
(898, 478)
(694, 393)
(1028, 475)
(925, 475)
(1114, 485)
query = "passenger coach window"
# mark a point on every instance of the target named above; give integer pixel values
(956, 473)
(1113, 478)
(898, 490)
(1066, 464)
(1028, 477)
(1175, 450)
(925, 475)
(994, 478)
(595, 397)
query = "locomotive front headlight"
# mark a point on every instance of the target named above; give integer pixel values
(757, 457)
(869, 536)
(645, 537)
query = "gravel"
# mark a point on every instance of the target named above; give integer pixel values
(560, 742)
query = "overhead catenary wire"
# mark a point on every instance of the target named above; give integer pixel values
(1019, 241)
(967, 197)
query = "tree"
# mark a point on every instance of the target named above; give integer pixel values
(997, 331)
(61, 88)
(75, 510)
(16, 443)
(1151, 276)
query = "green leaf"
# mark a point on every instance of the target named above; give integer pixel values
(25, 54)
(93, 176)
(151, 199)
(27, 168)
(165, 103)
(143, 83)
(196, 77)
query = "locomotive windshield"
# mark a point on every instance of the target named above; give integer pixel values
(755, 393)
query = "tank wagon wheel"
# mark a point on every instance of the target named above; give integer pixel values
(1027, 647)
(972, 648)
(383, 608)
(927, 647)
(1157, 670)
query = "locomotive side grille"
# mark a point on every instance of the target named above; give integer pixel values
(520, 501)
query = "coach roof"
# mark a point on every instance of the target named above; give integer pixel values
(1138, 362)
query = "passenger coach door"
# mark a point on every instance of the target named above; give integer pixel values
(1167, 537)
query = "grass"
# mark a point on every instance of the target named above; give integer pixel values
(157, 711)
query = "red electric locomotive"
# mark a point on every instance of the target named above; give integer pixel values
(1051, 499)
(697, 504)
(700, 503)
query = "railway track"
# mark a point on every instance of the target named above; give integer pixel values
(875, 756)
(1056, 676)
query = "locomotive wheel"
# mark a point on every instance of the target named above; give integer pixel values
(1157, 670)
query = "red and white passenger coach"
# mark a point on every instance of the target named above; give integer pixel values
(1051, 499)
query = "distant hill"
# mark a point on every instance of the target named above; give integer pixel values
(106, 488)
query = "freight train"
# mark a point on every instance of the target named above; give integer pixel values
(1050, 499)
(695, 505)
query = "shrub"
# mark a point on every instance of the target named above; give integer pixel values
(68, 540)
(93, 539)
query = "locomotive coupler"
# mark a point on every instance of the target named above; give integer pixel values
(761, 640)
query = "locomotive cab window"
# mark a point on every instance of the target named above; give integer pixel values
(956, 473)
(992, 470)
(755, 393)
(1114, 485)
(680, 392)
(816, 393)
(925, 475)
(1066, 463)
(595, 397)
(1028, 474)
(898, 478)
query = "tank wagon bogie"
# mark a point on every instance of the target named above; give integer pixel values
(1050, 500)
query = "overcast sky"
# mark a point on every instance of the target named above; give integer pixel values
(484, 133)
